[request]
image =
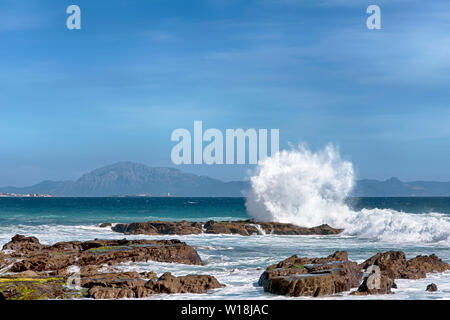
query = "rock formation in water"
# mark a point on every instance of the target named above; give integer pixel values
(296, 276)
(42, 271)
(243, 227)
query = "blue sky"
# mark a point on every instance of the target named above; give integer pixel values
(72, 101)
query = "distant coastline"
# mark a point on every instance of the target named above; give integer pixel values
(27, 195)
(127, 179)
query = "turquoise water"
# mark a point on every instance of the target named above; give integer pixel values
(413, 225)
(73, 211)
(85, 211)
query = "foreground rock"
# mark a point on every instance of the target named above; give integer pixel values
(375, 282)
(244, 228)
(132, 285)
(312, 276)
(43, 271)
(27, 253)
(297, 276)
(383, 268)
(44, 287)
(118, 285)
(394, 265)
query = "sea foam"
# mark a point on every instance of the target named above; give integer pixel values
(309, 188)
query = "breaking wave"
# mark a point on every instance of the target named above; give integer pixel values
(309, 188)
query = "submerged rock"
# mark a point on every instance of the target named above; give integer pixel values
(243, 227)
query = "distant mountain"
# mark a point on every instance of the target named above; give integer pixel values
(127, 178)
(393, 187)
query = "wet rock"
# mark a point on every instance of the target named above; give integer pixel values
(243, 227)
(395, 266)
(290, 229)
(375, 282)
(391, 263)
(419, 266)
(29, 254)
(105, 225)
(296, 276)
(170, 284)
(299, 265)
(36, 288)
(432, 287)
(23, 244)
(131, 285)
(160, 227)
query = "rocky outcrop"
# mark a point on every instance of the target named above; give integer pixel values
(23, 244)
(375, 282)
(102, 286)
(42, 271)
(26, 253)
(391, 263)
(160, 227)
(383, 268)
(244, 228)
(312, 276)
(132, 285)
(394, 265)
(301, 276)
(419, 266)
(20, 287)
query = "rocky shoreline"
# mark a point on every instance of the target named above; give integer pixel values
(241, 227)
(35, 271)
(87, 269)
(296, 276)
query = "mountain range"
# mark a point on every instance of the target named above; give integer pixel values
(128, 179)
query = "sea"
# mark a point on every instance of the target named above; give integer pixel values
(417, 226)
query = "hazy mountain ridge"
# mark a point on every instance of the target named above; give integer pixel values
(127, 178)
(393, 187)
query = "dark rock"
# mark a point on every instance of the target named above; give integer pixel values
(167, 283)
(29, 254)
(432, 287)
(23, 244)
(391, 263)
(296, 265)
(375, 282)
(159, 227)
(394, 265)
(44, 287)
(243, 227)
(131, 285)
(105, 225)
(296, 276)
(419, 266)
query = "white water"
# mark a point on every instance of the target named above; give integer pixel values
(309, 188)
